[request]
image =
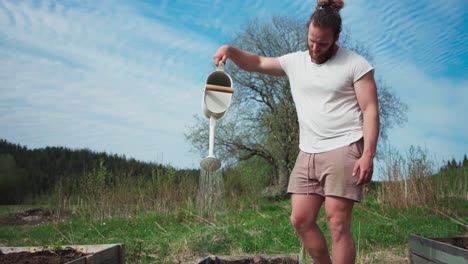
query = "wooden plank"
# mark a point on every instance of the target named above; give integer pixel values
(81, 260)
(461, 242)
(415, 259)
(7, 250)
(111, 255)
(436, 251)
(207, 260)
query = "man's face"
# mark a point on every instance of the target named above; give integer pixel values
(320, 43)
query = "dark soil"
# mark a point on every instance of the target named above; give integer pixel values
(257, 259)
(41, 257)
(34, 216)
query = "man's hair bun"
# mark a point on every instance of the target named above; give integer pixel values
(336, 5)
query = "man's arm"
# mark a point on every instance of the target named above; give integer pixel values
(366, 93)
(249, 61)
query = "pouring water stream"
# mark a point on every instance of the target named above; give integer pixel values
(216, 99)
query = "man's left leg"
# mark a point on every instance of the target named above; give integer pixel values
(339, 214)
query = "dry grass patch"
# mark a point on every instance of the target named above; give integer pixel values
(385, 256)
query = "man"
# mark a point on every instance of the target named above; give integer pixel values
(336, 101)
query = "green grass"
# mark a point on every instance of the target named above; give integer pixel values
(170, 231)
(182, 236)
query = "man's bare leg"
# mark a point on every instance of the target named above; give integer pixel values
(339, 214)
(305, 209)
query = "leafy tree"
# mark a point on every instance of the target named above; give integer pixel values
(262, 119)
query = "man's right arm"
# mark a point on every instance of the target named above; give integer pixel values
(249, 61)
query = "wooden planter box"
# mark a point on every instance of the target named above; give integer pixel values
(289, 259)
(438, 250)
(98, 254)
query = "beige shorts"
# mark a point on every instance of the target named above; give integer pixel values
(328, 173)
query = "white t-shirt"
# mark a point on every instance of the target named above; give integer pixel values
(327, 108)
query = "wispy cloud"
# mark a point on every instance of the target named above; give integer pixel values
(437, 113)
(97, 72)
(427, 33)
(419, 50)
(126, 76)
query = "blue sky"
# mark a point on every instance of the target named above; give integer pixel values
(126, 77)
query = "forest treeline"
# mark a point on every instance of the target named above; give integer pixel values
(29, 173)
(26, 175)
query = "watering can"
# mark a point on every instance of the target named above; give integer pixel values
(216, 100)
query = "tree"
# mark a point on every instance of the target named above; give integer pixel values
(453, 164)
(262, 120)
(13, 182)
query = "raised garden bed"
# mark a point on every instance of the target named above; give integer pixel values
(41, 257)
(81, 254)
(438, 250)
(253, 259)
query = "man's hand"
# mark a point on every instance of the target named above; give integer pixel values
(366, 167)
(220, 55)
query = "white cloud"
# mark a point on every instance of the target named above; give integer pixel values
(413, 49)
(83, 77)
(127, 77)
(437, 117)
(427, 33)
(86, 73)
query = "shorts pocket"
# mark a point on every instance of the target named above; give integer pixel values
(355, 149)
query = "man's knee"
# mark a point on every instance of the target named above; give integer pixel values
(301, 224)
(338, 228)
(296, 222)
(339, 215)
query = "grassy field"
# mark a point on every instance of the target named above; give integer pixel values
(184, 236)
(158, 221)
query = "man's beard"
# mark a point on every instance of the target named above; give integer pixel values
(319, 59)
